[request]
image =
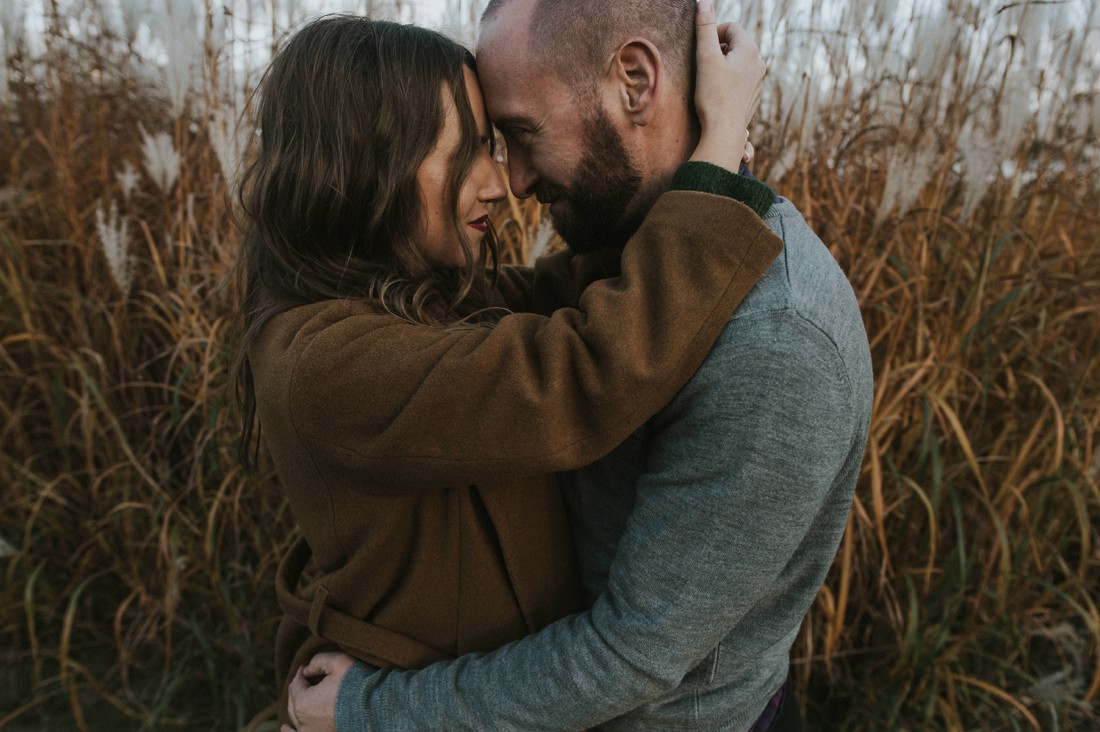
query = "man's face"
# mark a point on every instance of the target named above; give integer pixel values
(562, 146)
(591, 211)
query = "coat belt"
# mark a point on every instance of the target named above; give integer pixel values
(369, 642)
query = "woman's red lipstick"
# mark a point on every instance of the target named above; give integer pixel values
(481, 224)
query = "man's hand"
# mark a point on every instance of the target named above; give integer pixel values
(311, 702)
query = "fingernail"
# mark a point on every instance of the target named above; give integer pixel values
(705, 6)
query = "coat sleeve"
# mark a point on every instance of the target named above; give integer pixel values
(397, 402)
(555, 281)
(558, 280)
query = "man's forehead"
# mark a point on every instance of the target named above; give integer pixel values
(510, 24)
(503, 43)
(512, 82)
(522, 97)
(510, 15)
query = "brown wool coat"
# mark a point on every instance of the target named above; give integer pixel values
(419, 461)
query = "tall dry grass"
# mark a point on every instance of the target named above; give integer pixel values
(947, 153)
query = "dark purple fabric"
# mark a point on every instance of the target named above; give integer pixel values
(764, 722)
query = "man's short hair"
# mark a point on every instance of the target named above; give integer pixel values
(575, 38)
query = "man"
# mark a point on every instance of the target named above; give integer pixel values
(705, 537)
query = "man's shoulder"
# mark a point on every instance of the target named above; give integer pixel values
(804, 278)
(802, 309)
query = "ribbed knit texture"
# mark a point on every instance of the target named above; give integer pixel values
(709, 178)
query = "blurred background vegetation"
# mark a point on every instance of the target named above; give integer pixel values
(945, 150)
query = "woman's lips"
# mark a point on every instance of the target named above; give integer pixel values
(481, 224)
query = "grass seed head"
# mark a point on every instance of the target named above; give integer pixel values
(114, 236)
(162, 161)
(128, 179)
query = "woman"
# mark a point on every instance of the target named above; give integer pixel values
(415, 423)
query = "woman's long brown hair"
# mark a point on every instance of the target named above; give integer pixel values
(348, 110)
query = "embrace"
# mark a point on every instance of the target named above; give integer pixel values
(596, 493)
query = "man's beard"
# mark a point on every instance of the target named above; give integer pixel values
(605, 184)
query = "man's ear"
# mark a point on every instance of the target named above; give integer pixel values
(636, 70)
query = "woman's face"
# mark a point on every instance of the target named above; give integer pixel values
(482, 186)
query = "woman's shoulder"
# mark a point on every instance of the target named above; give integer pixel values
(291, 331)
(304, 320)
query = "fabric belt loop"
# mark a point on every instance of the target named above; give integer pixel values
(369, 642)
(320, 597)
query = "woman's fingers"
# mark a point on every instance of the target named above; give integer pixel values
(730, 70)
(706, 30)
(728, 86)
(725, 40)
(741, 52)
(744, 56)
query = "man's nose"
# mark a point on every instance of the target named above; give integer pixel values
(521, 176)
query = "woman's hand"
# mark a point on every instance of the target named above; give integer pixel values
(728, 84)
(312, 706)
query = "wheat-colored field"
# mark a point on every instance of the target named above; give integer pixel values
(946, 151)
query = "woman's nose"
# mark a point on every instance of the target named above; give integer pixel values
(493, 189)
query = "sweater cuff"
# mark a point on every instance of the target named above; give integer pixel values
(709, 178)
(350, 708)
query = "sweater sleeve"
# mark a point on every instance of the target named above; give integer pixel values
(397, 402)
(557, 280)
